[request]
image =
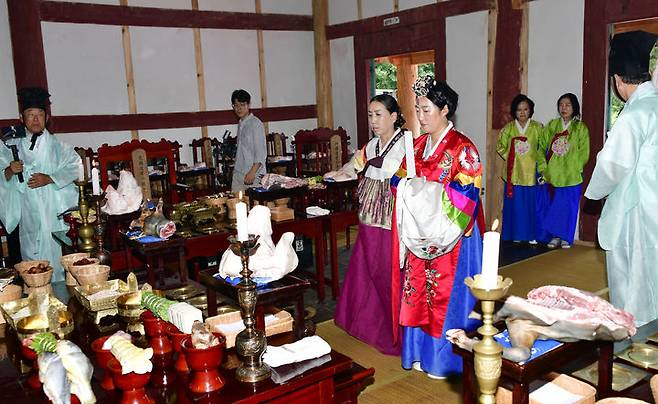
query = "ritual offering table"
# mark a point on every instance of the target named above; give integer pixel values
(287, 289)
(519, 376)
(157, 251)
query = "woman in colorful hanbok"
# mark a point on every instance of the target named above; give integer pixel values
(517, 145)
(437, 241)
(563, 153)
(364, 305)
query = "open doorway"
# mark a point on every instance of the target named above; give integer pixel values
(395, 75)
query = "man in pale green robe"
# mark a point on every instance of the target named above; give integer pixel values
(626, 173)
(49, 168)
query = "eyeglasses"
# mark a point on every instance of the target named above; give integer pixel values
(240, 105)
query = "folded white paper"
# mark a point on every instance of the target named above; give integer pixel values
(305, 348)
(316, 211)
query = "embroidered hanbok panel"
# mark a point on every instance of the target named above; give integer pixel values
(563, 152)
(427, 277)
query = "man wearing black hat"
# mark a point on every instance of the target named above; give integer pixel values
(38, 185)
(626, 173)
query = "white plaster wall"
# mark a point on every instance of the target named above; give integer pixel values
(184, 136)
(230, 61)
(342, 11)
(373, 8)
(407, 4)
(8, 102)
(343, 92)
(289, 67)
(178, 4)
(304, 7)
(95, 139)
(555, 56)
(244, 6)
(164, 69)
(85, 69)
(289, 128)
(466, 73)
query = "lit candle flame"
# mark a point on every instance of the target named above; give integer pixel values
(494, 226)
(240, 195)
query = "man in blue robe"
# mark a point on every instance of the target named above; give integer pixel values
(626, 173)
(48, 168)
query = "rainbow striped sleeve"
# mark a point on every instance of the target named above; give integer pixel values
(459, 203)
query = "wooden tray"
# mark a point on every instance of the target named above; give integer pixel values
(282, 323)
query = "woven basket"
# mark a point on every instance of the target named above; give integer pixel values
(92, 274)
(37, 280)
(25, 265)
(75, 269)
(67, 261)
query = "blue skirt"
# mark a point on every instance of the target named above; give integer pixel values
(519, 214)
(557, 216)
(435, 354)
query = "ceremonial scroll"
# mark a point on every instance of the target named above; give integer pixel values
(336, 152)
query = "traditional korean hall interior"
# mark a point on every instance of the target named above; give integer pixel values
(162, 72)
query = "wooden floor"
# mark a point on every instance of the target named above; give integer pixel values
(580, 267)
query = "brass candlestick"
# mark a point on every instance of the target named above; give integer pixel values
(488, 353)
(104, 257)
(86, 231)
(250, 344)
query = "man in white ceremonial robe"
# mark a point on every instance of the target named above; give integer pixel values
(626, 173)
(48, 167)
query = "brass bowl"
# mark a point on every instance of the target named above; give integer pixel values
(645, 354)
(183, 293)
(130, 305)
(38, 323)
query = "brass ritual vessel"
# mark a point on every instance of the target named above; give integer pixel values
(104, 256)
(130, 308)
(38, 323)
(86, 230)
(250, 343)
(488, 353)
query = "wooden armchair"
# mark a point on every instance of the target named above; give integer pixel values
(135, 156)
(203, 180)
(318, 151)
(279, 160)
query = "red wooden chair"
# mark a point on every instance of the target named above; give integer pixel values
(129, 155)
(320, 150)
(203, 181)
(279, 160)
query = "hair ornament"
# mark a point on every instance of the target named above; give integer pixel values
(422, 85)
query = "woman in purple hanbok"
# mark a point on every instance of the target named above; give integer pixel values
(364, 305)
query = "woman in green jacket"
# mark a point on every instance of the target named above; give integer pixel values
(563, 153)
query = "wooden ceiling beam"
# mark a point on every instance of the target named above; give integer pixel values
(81, 13)
(408, 17)
(109, 123)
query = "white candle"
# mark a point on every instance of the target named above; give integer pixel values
(241, 217)
(490, 252)
(95, 181)
(81, 171)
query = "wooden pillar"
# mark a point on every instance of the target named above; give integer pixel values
(322, 65)
(504, 82)
(130, 77)
(261, 67)
(27, 43)
(406, 77)
(595, 42)
(200, 75)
